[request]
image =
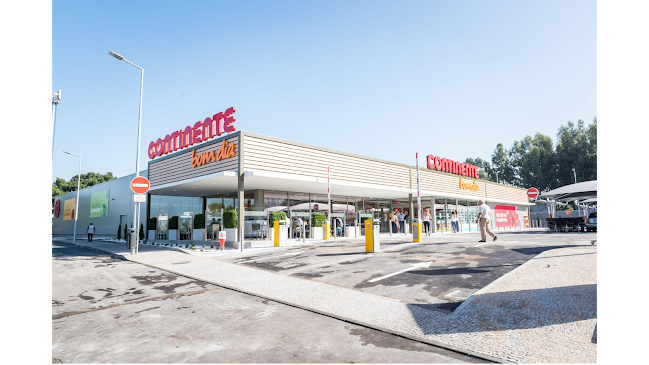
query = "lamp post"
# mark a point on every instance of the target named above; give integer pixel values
(575, 174)
(137, 163)
(56, 97)
(76, 208)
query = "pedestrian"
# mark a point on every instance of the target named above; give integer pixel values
(395, 222)
(427, 222)
(484, 214)
(339, 227)
(91, 232)
(406, 220)
(454, 222)
(288, 226)
(402, 226)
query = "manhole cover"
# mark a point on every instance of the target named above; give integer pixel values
(461, 293)
(180, 262)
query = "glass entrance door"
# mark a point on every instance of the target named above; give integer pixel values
(185, 225)
(162, 229)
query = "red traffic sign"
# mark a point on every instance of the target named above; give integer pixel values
(532, 193)
(140, 185)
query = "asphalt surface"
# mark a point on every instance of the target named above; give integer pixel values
(457, 262)
(107, 310)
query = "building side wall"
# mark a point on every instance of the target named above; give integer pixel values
(120, 202)
(497, 191)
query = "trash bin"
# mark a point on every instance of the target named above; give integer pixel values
(130, 238)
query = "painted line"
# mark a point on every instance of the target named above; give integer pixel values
(417, 266)
(482, 244)
(269, 257)
(140, 185)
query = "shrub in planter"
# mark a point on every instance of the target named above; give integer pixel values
(125, 231)
(119, 232)
(276, 216)
(199, 221)
(152, 225)
(141, 231)
(317, 219)
(230, 219)
(173, 222)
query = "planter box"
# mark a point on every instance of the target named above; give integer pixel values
(172, 234)
(317, 233)
(199, 235)
(231, 235)
(352, 231)
(271, 233)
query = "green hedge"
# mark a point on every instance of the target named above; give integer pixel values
(141, 231)
(119, 232)
(152, 225)
(230, 219)
(317, 219)
(276, 216)
(173, 222)
(199, 221)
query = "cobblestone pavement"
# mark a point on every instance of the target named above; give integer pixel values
(543, 311)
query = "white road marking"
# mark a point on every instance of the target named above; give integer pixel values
(417, 266)
(269, 257)
(482, 244)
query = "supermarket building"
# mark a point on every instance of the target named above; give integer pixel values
(210, 167)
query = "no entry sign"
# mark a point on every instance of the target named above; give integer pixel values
(532, 193)
(140, 185)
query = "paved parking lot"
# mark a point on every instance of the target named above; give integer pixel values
(418, 273)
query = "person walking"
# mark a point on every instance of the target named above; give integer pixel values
(402, 225)
(454, 222)
(427, 222)
(395, 222)
(91, 232)
(484, 214)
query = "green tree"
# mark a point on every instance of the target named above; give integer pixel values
(485, 172)
(501, 165)
(574, 151)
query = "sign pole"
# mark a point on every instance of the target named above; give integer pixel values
(418, 190)
(328, 200)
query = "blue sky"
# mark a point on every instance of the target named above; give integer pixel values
(383, 79)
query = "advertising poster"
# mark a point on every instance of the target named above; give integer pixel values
(506, 216)
(99, 204)
(68, 209)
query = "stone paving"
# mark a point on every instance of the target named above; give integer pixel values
(543, 311)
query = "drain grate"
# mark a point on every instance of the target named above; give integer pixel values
(462, 294)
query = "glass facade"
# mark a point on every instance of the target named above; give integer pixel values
(303, 205)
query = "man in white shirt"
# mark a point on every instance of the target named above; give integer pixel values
(91, 232)
(484, 212)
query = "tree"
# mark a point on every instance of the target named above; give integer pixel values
(501, 165)
(485, 172)
(574, 151)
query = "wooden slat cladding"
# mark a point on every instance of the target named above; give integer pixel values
(497, 191)
(179, 167)
(265, 155)
(444, 183)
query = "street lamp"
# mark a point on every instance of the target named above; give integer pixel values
(137, 163)
(56, 97)
(575, 174)
(76, 209)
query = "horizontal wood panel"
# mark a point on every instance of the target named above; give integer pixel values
(179, 167)
(273, 156)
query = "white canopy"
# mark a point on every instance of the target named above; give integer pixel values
(578, 191)
(591, 201)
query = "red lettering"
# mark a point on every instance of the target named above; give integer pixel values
(152, 150)
(477, 172)
(463, 168)
(208, 129)
(217, 121)
(228, 120)
(430, 161)
(181, 137)
(174, 141)
(438, 163)
(158, 147)
(198, 132)
(188, 137)
(166, 148)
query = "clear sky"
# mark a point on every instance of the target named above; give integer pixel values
(383, 79)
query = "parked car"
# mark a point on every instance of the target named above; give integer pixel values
(591, 222)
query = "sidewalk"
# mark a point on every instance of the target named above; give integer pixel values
(543, 311)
